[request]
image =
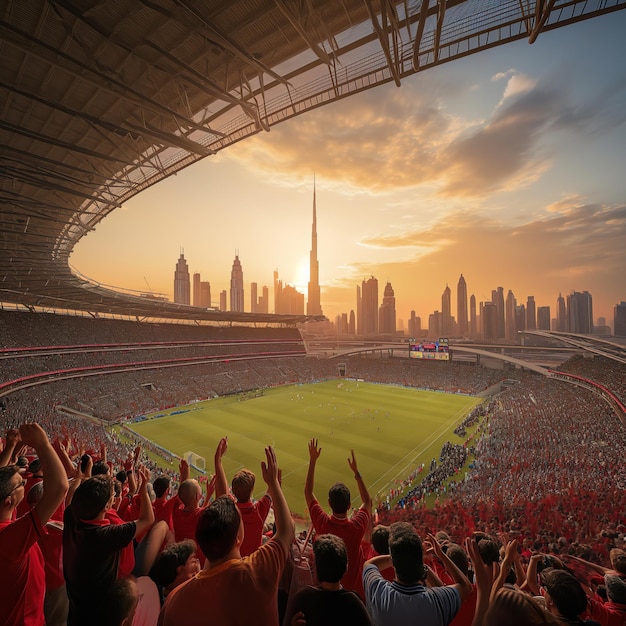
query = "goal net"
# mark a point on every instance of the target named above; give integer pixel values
(195, 460)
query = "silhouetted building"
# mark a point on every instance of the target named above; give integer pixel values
(264, 301)
(511, 328)
(359, 309)
(254, 302)
(196, 289)
(352, 323)
(415, 326)
(287, 300)
(473, 321)
(446, 312)
(520, 317)
(387, 312)
(461, 307)
(619, 319)
(489, 320)
(313, 305)
(236, 286)
(369, 307)
(223, 305)
(205, 294)
(543, 318)
(497, 297)
(434, 325)
(182, 283)
(580, 312)
(531, 314)
(561, 315)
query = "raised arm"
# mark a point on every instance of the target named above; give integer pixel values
(461, 583)
(284, 523)
(55, 483)
(11, 439)
(484, 575)
(146, 512)
(221, 483)
(363, 492)
(314, 454)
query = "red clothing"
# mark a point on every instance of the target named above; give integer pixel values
(163, 510)
(607, 613)
(23, 507)
(51, 544)
(465, 616)
(127, 553)
(185, 523)
(253, 516)
(22, 577)
(351, 530)
(239, 592)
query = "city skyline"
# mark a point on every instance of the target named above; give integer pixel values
(504, 166)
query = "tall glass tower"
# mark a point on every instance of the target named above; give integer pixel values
(182, 283)
(313, 305)
(236, 286)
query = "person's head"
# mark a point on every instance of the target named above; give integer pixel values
(219, 528)
(189, 492)
(615, 588)
(121, 476)
(11, 486)
(516, 608)
(35, 494)
(405, 548)
(442, 537)
(176, 564)
(339, 498)
(458, 556)
(100, 468)
(489, 551)
(331, 558)
(618, 560)
(380, 539)
(93, 496)
(22, 461)
(160, 486)
(563, 593)
(243, 485)
(118, 604)
(34, 467)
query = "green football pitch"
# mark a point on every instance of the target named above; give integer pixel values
(391, 429)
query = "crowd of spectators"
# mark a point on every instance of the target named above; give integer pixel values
(538, 481)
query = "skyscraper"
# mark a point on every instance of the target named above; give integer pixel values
(531, 314)
(489, 319)
(473, 321)
(561, 315)
(580, 312)
(619, 319)
(543, 318)
(461, 307)
(205, 294)
(313, 305)
(359, 311)
(510, 325)
(236, 286)
(182, 284)
(254, 303)
(446, 312)
(369, 307)
(196, 289)
(497, 297)
(387, 312)
(223, 305)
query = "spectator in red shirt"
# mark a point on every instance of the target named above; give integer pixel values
(350, 529)
(252, 514)
(22, 576)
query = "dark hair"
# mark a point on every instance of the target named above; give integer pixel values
(6, 473)
(118, 603)
(243, 484)
(122, 476)
(458, 556)
(339, 498)
(160, 485)
(405, 547)
(218, 526)
(331, 558)
(489, 551)
(516, 608)
(380, 539)
(92, 496)
(566, 592)
(165, 568)
(99, 468)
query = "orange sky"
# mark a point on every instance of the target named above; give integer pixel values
(506, 166)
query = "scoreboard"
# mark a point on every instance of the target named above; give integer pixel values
(436, 350)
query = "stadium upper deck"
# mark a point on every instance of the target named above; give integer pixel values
(100, 101)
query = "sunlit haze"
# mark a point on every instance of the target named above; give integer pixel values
(506, 166)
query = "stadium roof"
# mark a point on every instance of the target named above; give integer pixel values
(101, 99)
